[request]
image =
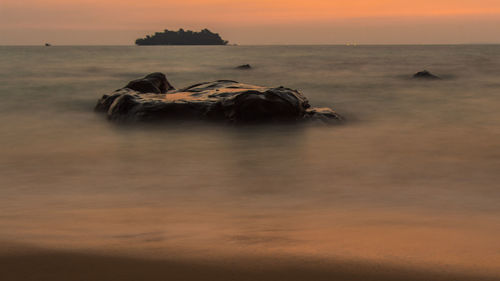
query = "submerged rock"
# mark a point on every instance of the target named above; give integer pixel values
(425, 75)
(244, 66)
(153, 98)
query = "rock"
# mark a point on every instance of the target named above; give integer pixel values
(153, 83)
(244, 66)
(425, 75)
(218, 100)
(324, 114)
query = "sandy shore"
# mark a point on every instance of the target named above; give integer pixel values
(24, 263)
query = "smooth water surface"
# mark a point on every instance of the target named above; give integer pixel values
(412, 176)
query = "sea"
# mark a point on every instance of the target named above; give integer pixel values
(410, 178)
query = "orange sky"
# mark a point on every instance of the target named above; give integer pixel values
(120, 21)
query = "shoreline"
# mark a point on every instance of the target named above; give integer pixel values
(25, 263)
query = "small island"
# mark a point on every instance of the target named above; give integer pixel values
(182, 37)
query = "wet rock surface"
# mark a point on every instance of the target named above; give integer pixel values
(153, 83)
(154, 98)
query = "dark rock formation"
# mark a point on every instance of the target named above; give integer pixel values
(244, 66)
(218, 100)
(425, 75)
(181, 37)
(153, 83)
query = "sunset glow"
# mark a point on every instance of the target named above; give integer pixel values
(130, 18)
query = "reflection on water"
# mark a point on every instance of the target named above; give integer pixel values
(410, 178)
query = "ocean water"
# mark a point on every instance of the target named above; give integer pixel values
(411, 177)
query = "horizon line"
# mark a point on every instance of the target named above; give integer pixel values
(351, 44)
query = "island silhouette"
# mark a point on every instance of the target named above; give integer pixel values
(182, 37)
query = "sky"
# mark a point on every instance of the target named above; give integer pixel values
(120, 22)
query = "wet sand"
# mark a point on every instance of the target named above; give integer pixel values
(21, 263)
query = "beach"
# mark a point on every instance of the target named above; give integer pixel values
(406, 188)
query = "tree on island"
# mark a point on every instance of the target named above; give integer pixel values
(181, 37)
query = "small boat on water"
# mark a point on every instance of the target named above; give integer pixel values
(47, 45)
